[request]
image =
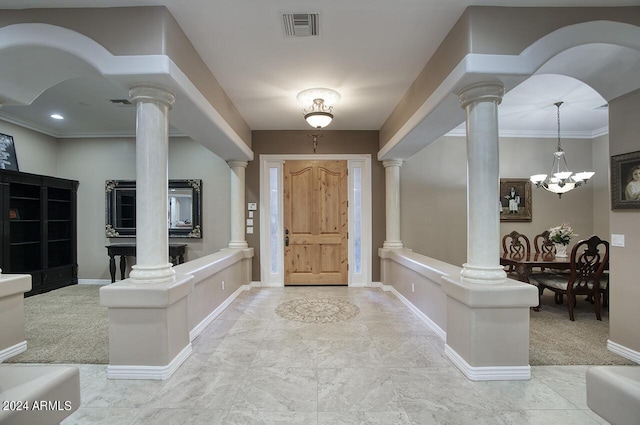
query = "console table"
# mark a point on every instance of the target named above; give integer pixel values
(176, 252)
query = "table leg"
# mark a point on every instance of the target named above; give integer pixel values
(174, 260)
(123, 266)
(181, 259)
(112, 267)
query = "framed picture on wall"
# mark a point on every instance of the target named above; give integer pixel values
(625, 181)
(515, 200)
(8, 160)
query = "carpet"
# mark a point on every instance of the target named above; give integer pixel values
(556, 340)
(67, 325)
(317, 310)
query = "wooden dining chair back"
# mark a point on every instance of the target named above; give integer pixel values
(543, 245)
(589, 258)
(516, 244)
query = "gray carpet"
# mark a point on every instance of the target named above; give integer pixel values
(556, 340)
(67, 325)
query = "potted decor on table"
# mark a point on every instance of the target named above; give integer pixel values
(561, 237)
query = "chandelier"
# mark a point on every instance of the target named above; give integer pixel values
(318, 111)
(560, 180)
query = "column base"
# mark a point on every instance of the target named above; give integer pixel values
(392, 244)
(482, 274)
(152, 274)
(238, 244)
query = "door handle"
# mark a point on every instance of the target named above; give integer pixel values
(286, 241)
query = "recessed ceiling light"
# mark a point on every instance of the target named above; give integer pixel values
(56, 116)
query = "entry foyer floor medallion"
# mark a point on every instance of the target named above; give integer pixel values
(317, 310)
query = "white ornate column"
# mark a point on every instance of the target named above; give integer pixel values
(238, 239)
(392, 202)
(152, 152)
(483, 183)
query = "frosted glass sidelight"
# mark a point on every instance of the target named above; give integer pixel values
(273, 217)
(357, 222)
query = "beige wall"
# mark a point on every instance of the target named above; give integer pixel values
(92, 161)
(600, 185)
(625, 267)
(36, 153)
(433, 194)
(331, 142)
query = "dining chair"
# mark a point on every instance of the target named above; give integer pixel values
(589, 258)
(516, 245)
(542, 244)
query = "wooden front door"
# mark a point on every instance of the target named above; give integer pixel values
(315, 222)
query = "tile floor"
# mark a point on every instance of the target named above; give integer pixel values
(384, 366)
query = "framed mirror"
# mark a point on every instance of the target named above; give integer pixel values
(183, 201)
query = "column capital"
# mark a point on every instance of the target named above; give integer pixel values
(391, 163)
(237, 163)
(486, 91)
(150, 93)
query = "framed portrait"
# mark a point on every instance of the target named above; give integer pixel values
(8, 160)
(625, 181)
(515, 200)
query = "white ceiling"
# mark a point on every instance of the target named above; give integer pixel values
(368, 50)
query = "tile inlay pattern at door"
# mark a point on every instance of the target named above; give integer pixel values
(317, 310)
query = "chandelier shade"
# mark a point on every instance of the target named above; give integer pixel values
(319, 113)
(560, 180)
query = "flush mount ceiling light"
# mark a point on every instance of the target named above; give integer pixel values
(560, 180)
(318, 104)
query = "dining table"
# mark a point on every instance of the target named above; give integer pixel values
(523, 264)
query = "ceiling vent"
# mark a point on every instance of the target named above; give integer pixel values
(300, 24)
(121, 102)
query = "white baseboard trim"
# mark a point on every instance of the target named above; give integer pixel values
(254, 284)
(100, 282)
(623, 351)
(200, 327)
(415, 310)
(365, 285)
(12, 351)
(156, 373)
(268, 285)
(488, 373)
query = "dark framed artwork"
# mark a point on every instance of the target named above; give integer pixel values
(8, 160)
(515, 200)
(625, 181)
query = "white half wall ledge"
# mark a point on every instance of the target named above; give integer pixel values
(130, 294)
(509, 294)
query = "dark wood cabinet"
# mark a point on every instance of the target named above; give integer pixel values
(39, 229)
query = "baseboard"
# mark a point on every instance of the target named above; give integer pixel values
(365, 285)
(12, 351)
(200, 327)
(488, 373)
(100, 282)
(254, 284)
(266, 285)
(415, 310)
(156, 373)
(623, 351)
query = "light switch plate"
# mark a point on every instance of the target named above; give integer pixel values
(250, 214)
(249, 230)
(252, 206)
(617, 240)
(249, 222)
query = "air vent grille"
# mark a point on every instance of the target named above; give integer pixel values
(121, 102)
(300, 24)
